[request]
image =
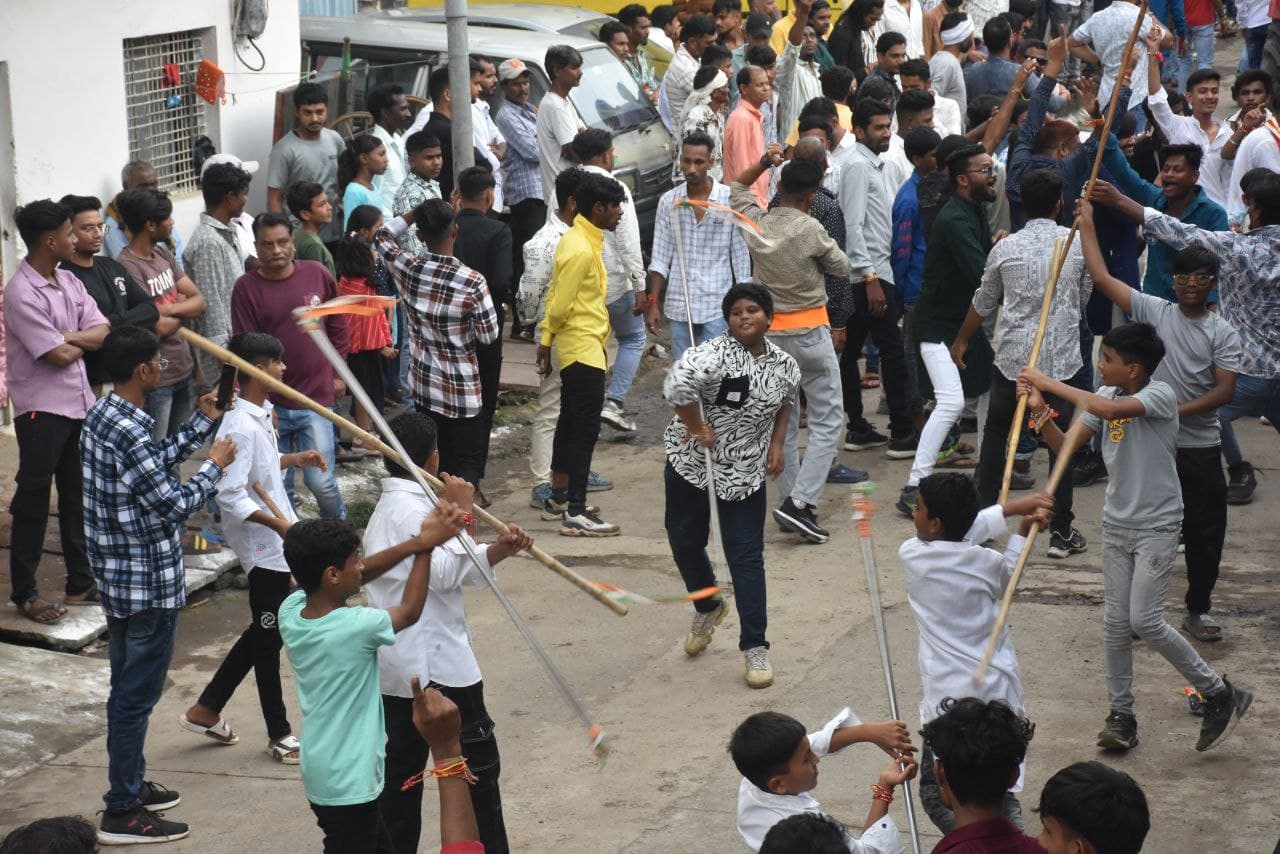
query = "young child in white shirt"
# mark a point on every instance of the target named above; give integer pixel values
(437, 648)
(954, 585)
(255, 534)
(779, 767)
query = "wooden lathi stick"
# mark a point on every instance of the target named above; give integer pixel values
(1016, 429)
(266, 499)
(1060, 467)
(372, 441)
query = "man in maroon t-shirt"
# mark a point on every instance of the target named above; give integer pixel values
(977, 749)
(263, 301)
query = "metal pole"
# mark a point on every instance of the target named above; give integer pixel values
(862, 515)
(717, 545)
(455, 15)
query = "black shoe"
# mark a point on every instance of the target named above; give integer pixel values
(1088, 470)
(1222, 711)
(1120, 732)
(841, 473)
(863, 438)
(903, 447)
(138, 826)
(159, 798)
(1021, 480)
(1241, 484)
(1063, 547)
(800, 520)
(907, 500)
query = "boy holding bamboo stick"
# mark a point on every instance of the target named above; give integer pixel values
(256, 514)
(954, 585)
(1140, 522)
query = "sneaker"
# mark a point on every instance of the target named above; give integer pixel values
(800, 520)
(1222, 711)
(907, 501)
(1062, 547)
(598, 483)
(841, 473)
(159, 798)
(903, 447)
(704, 626)
(759, 673)
(613, 416)
(864, 438)
(138, 826)
(1241, 483)
(553, 511)
(540, 495)
(587, 524)
(1021, 480)
(1120, 732)
(1089, 469)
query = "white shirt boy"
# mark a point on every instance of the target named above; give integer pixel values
(437, 648)
(759, 811)
(257, 461)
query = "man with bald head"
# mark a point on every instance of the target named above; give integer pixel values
(136, 175)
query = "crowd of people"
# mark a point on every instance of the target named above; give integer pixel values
(874, 203)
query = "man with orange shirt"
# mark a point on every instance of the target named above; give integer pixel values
(744, 131)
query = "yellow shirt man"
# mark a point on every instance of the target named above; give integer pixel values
(576, 318)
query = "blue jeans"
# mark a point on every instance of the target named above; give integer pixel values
(140, 647)
(1200, 41)
(1254, 396)
(169, 406)
(628, 328)
(704, 332)
(303, 430)
(1255, 39)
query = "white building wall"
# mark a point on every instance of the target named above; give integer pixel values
(63, 125)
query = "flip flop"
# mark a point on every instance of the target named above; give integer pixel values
(220, 732)
(1204, 629)
(871, 379)
(39, 611)
(92, 596)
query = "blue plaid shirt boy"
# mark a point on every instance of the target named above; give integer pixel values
(134, 505)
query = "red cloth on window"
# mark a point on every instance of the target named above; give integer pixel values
(371, 332)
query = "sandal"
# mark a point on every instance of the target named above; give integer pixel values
(285, 750)
(1202, 627)
(220, 732)
(871, 379)
(39, 611)
(92, 596)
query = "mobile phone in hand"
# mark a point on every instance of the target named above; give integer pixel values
(227, 386)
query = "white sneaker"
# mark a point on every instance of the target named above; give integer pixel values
(759, 673)
(704, 626)
(613, 416)
(587, 524)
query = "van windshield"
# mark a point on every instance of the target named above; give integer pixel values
(608, 96)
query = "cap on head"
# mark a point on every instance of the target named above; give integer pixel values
(511, 69)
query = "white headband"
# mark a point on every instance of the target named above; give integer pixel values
(959, 33)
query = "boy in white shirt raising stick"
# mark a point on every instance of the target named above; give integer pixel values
(435, 649)
(954, 585)
(255, 531)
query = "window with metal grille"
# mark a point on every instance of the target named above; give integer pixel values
(164, 119)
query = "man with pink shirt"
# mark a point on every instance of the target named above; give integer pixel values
(744, 131)
(50, 321)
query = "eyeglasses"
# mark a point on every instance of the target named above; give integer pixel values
(1040, 61)
(160, 363)
(1200, 279)
(986, 170)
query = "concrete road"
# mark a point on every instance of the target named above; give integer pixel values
(668, 785)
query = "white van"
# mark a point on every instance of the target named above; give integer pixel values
(406, 52)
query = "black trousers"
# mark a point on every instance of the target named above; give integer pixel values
(1204, 521)
(887, 336)
(489, 358)
(463, 444)
(995, 441)
(577, 428)
(258, 649)
(354, 829)
(48, 453)
(407, 755)
(526, 218)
